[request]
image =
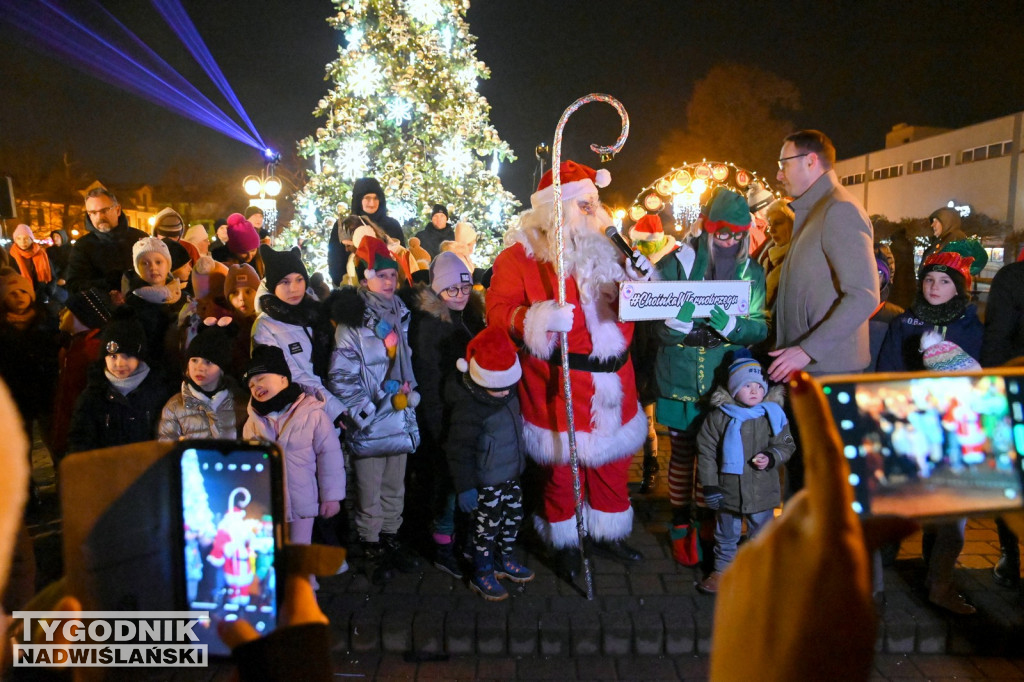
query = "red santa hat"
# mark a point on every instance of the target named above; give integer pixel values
(577, 180)
(647, 229)
(491, 359)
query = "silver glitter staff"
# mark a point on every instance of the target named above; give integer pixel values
(606, 154)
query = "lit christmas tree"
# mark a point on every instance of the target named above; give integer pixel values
(404, 109)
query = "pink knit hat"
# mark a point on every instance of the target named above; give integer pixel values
(242, 236)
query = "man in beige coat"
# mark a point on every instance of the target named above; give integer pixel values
(828, 288)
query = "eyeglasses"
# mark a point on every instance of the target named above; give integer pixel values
(784, 159)
(455, 291)
(726, 235)
(101, 210)
(588, 207)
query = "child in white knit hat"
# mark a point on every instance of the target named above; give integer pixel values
(741, 444)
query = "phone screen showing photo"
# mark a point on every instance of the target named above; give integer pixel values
(932, 446)
(229, 539)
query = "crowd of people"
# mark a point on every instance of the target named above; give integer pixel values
(415, 379)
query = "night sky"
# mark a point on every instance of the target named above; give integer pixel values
(860, 67)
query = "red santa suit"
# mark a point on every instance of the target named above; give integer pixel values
(232, 551)
(609, 424)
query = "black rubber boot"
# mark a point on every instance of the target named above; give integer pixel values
(398, 555)
(376, 565)
(1007, 569)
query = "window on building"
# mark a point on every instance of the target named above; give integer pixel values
(989, 151)
(887, 172)
(934, 163)
(855, 179)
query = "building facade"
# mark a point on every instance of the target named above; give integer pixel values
(922, 169)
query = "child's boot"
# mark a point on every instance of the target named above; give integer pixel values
(398, 555)
(445, 559)
(485, 582)
(376, 565)
(509, 568)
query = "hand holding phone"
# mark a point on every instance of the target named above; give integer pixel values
(232, 514)
(932, 445)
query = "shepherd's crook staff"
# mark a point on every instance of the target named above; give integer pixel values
(606, 154)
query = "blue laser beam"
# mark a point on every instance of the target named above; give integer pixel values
(177, 18)
(88, 51)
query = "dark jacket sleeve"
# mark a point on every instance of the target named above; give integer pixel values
(463, 434)
(423, 338)
(84, 432)
(1002, 319)
(890, 355)
(782, 446)
(81, 274)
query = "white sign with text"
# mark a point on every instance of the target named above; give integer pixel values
(662, 300)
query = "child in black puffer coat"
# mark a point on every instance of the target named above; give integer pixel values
(487, 455)
(124, 397)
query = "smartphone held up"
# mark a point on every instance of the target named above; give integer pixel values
(931, 445)
(231, 513)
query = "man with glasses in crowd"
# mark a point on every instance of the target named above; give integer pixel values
(828, 284)
(828, 287)
(100, 258)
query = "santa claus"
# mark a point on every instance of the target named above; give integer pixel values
(608, 422)
(232, 548)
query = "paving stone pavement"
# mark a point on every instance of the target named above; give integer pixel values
(647, 621)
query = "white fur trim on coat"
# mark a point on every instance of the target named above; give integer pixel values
(558, 534)
(605, 336)
(540, 342)
(594, 448)
(603, 526)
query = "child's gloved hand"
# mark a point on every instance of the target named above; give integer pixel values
(713, 496)
(467, 500)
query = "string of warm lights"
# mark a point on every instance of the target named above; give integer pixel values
(687, 186)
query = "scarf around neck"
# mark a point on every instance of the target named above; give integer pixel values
(130, 382)
(733, 455)
(279, 402)
(33, 263)
(390, 312)
(305, 313)
(944, 313)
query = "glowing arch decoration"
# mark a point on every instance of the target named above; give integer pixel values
(683, 189)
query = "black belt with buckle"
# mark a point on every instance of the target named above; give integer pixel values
(585, 363)
(702, 337)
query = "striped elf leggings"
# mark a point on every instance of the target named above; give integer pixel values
(683, 487)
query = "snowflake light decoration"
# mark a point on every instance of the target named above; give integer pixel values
(446, 38)
(399, 110)
(468, 77)
(353, 38)
(365, 78)
(401, 211)
(353, 159)
(453, 158)
(425, 11)
(494, 212)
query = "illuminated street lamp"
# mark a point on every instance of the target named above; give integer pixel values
(263, 190)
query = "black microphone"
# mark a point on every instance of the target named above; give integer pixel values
(613, 234)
